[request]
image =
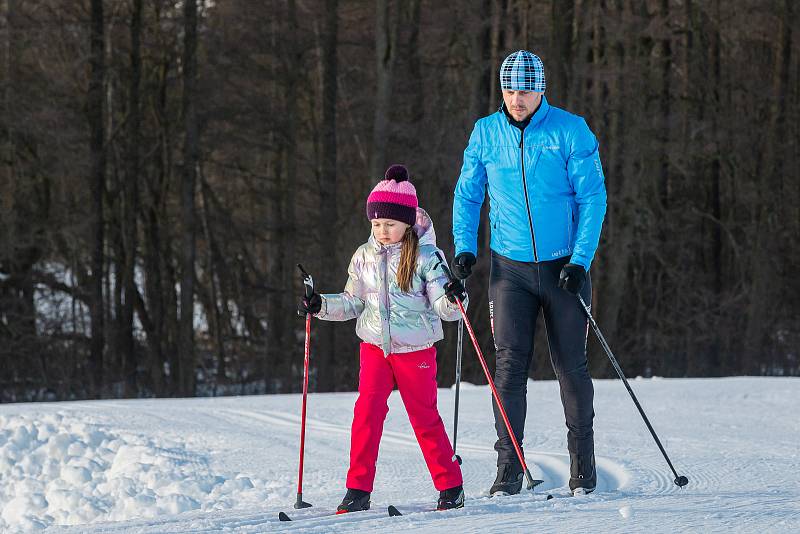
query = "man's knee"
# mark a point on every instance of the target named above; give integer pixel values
(578, 372)
(511, 374)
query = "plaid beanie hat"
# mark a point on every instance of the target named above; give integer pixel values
(522, 71)
(394, 197)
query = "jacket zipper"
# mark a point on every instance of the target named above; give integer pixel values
(384, 267)
(525, 189)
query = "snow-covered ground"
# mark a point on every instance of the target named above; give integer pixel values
(230, 464)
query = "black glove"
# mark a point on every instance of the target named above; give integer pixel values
(462, 265)
(455, 289)
(572, 278)
(312, 304)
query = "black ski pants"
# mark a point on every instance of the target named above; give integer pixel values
(517, 291)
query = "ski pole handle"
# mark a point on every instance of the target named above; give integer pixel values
(308, 282)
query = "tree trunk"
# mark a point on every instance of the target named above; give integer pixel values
(7, 184)
(765, 302)
(563, 12)
(478, 84)
(131, 208)
(285, 319)
(329, 277)
(213, 312)
(417, 115)
(185, 375)
(386, 55)
(96, 106)
(622, 191)
(495, 59)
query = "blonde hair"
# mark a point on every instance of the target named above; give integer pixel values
(408, 259)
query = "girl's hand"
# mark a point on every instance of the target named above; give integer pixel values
(310, 305)
(455, 289)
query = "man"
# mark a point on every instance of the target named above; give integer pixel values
(547, 203)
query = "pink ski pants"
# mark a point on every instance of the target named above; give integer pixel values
(414, 373)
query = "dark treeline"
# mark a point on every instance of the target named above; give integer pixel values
(165, 165)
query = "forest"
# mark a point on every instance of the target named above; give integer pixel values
(165, 165)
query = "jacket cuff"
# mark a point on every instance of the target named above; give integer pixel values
(323, 310)
(578, 259)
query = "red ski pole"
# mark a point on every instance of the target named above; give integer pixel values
(309, 285)
(496, 396)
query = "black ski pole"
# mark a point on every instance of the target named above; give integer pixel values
(459, 351)
(680, 480)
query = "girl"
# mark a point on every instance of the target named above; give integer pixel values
(399, 293)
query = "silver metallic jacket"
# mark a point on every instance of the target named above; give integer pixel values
(388, 317)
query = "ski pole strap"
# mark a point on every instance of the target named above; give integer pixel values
(445, 267)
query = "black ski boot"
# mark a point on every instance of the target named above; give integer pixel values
(508, 481)
(451, 498)
(582, 473)
(354, 501)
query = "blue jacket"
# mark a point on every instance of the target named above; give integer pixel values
(547, 196)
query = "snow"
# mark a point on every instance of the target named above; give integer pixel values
(230, 464)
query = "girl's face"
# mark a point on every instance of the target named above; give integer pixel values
(388, 231)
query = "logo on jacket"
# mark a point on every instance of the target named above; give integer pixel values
(424, 365)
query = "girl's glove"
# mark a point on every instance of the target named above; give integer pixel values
(310, 305)
(455, 289)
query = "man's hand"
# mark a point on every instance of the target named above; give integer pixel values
(455, 289)
(312, 304)
(572, 278)
(462, 265)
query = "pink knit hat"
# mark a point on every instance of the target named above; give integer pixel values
(394, 198)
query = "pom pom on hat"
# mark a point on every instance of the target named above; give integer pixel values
(397, 172)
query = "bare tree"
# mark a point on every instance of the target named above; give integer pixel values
(131, 206)
(386, 21)
(185, 374)
(95, 109)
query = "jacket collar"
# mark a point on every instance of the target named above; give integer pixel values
(535, 119)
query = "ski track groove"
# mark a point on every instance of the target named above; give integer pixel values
(553, 468)
(615, 480)
(309, 522)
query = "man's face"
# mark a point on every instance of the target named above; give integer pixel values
(388, 231)
(521, 104)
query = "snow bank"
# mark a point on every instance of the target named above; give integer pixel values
(55, 470)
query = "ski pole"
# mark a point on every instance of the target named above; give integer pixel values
(680, 480)
(489, 378)
(459, 351)
(308, 282)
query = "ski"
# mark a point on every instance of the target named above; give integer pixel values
(283, 516)
(395, 512)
